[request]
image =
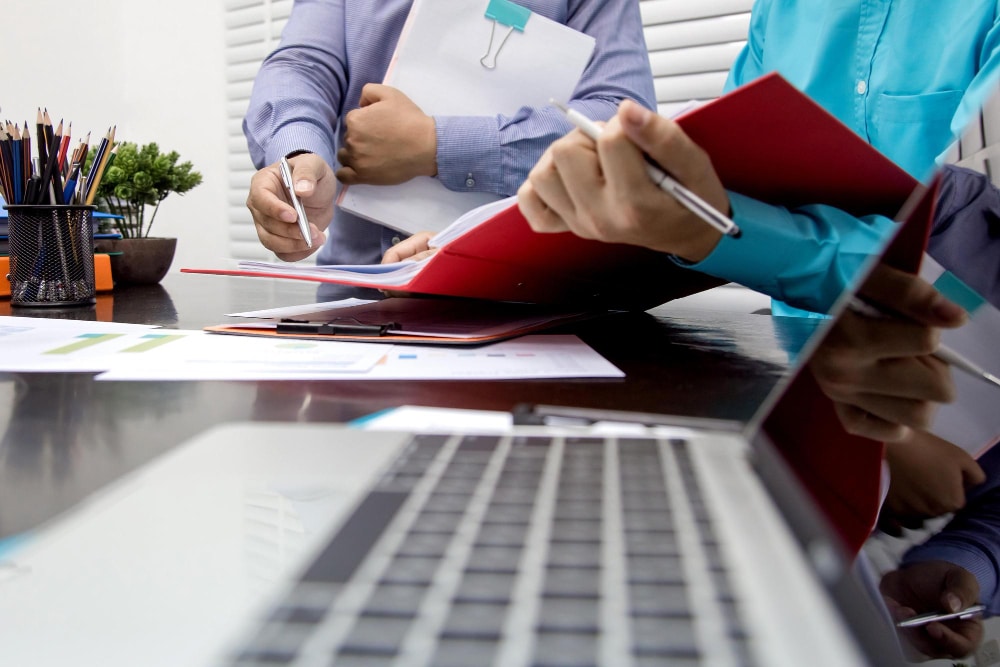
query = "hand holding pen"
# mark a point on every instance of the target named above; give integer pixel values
(610, 192)
(662, 179)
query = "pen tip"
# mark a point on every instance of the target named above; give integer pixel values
(562, 107)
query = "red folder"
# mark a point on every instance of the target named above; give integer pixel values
(766, 140)
(843, 472)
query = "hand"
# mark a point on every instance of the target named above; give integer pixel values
(413, 248)
(388, 139)
(272, 211)
(603, 191)
(928, 478)
(934, 586)
(879, 371)
(410, 249)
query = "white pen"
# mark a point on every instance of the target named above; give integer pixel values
(668, 184)
(924, 619)
(286, 176)
(944, 353)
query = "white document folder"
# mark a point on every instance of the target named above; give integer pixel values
(437, 64)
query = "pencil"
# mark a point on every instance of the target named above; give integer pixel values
(662, 179)
(26, 153)
(6, 169)
(63, 147)
(43, 145)
(101, 162)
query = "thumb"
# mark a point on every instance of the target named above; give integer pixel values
(661, 139)
(307, 170)
(372, 93)
(972, 473)
(959, 589)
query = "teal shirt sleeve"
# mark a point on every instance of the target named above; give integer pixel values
(804, 256)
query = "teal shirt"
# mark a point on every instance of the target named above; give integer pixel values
(906, 75)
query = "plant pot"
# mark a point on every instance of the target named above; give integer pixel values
(142, 261)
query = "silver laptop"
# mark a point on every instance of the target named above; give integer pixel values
(315, 545)
(692, 546)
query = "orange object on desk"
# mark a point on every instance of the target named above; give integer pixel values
(102, 274)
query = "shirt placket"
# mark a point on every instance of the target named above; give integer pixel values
(871, 23)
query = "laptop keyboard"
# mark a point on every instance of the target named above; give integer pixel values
(542, 552)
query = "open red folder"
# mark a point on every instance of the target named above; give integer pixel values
(843, 472)
(766, 140)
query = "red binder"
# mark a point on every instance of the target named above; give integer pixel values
(767, 140)
(843, 472)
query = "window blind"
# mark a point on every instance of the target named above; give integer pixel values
(252, 30)
(691, 46)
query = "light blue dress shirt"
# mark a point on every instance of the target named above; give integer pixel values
(906, 75)
(331, 48)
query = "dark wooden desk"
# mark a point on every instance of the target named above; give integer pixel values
(65, 436)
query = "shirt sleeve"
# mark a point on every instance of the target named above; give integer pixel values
(299, 90)
(804, 256)
(972, 538)
(495, 154)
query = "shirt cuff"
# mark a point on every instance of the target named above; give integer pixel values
(751, 259)
(983, 568)
(301, 139)
(468, 153)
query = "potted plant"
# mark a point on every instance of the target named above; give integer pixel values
(133, 186)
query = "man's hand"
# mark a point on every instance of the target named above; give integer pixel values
(272, 211)
(388, 140)
(935, 586)
(879, 371)
(603, 191)
(929, 477)
(413, 248)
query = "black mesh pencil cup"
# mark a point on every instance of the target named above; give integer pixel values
(51, 255)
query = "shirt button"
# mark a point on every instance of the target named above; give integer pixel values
(862, 87)
(395, 240)
(470, 182)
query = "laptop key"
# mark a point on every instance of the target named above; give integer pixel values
(485, 587)
(376, 635)
(565, 649)
(475, 620)
(464, 652)
(398, 598)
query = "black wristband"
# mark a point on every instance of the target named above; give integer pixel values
(298, 151)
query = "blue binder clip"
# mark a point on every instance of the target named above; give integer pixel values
(513, 16)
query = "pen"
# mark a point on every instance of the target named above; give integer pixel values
(668, 184)
(924, 619)
(944, 353)
(334, 328)
(286, 176)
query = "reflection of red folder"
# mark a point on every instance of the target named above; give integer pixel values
(766, 140)
(843, 471)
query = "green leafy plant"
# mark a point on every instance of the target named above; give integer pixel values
(141, 177)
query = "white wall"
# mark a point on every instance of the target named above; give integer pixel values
(155, 69)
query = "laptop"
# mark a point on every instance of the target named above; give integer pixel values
(262, 544)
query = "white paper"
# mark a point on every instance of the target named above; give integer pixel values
(527, 357)
(175, 353)
(437, 65)
(385, 275)
(293, 311)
